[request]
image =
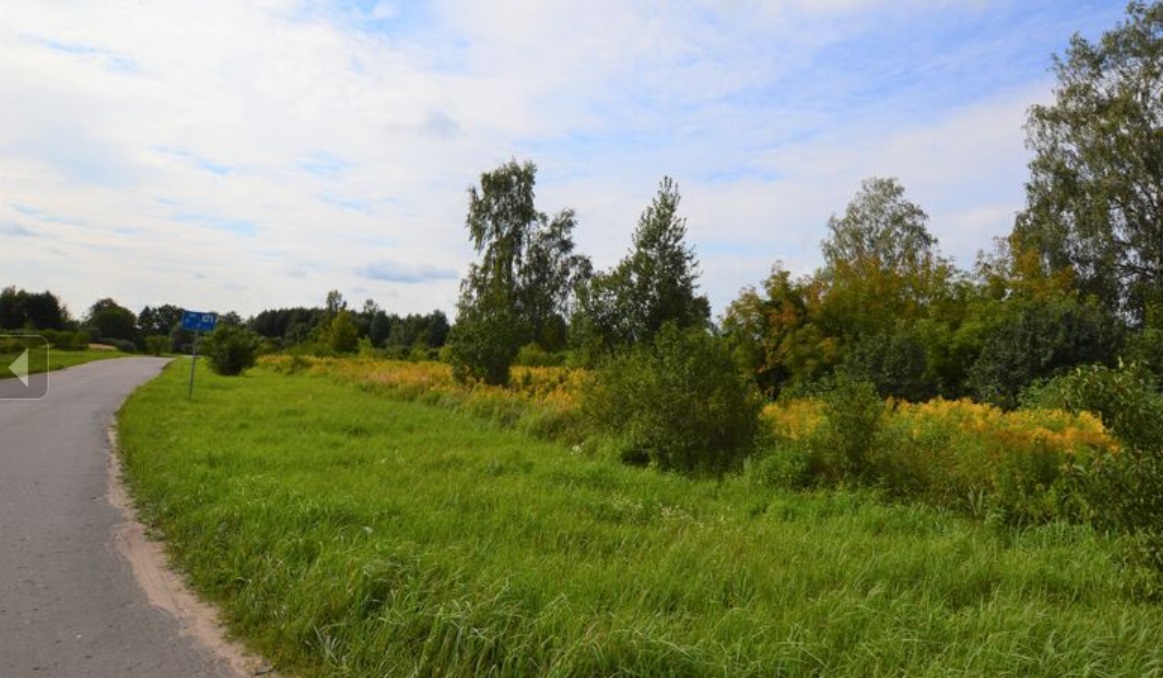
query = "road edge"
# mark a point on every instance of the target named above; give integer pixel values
(163, 587)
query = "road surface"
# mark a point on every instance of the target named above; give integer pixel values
(70, 606)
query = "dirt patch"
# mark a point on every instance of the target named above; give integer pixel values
(165, 589)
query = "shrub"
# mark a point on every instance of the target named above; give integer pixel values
(65, 340)
(483, 346)
(895, 362)
(1125, 398)
(853, 416)
(1122, 491)
(157, 344)
(532, 355)
(123, 345)
(1036, 340)
(231, 349)
(677, 401)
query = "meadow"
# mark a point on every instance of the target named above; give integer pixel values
(358, 519)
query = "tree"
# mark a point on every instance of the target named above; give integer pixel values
(880, 262)
(342, 336)
(230, 348)
(160, 320)
(548, 276)
(335, 303)
(654, 284)
(1094, 201)
(677, 402)
(762, 328)
(40, 311)
(523, 278)
(12, 308)
(109, 320)
(1031, 339)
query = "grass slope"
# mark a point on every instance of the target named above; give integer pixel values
(345, 534)
(57, 359)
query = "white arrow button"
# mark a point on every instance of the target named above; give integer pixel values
(19, 367)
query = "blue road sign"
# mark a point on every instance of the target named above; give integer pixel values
(198, 322)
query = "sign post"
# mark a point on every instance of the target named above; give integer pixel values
(197, 322)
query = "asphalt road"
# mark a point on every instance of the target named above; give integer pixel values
(69, 604)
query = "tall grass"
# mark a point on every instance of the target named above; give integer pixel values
(347, 534)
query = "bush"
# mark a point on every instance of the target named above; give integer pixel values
(896, 364)
(1123, 491)
(1037, 340)
(157, 344)
(677, 402)
(853, 417)
(123, 345)
(483, 346)
(231, 349)
(65, 340)
(1125, 398)
(532, 355)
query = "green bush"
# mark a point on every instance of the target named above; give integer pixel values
(1124, 398)
(123, 345)
(853, 418)
(677, 401)
(1122, 491)
(482, 347)
(65, 340)
(532, 355)
(157, 344)
(231, 349)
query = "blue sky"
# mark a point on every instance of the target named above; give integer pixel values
(250, 155)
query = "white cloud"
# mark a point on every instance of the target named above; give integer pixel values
(242, 156)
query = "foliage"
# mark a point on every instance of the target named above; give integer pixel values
(230, 349)
(1125, 398)
(20, 309)
(654, 284)
(157, 344)
(532, 355)
(483, 345)
(677, 402)
(961, 455)
(893, 361)
(1124, 491)
(65, 340)
(342, 336)
(1036, 339)
(523, 283)
(853, 418)
(160, 320)
(1094, 198)
(107, 319)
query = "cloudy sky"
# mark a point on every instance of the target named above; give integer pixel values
(243, 155)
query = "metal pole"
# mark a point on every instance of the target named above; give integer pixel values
(193, 364)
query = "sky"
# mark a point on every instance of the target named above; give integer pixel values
(252, 154)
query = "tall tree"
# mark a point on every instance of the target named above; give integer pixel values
(34, 310)
(109, 320)
(1095, 194)
(880, 262)
(159, 320)
(654, 284)
(522, 280)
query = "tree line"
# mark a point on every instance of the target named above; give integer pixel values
(331, 328)
(1078, 280)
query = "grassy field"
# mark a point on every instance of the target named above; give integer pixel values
(348, 534)
(57, 359)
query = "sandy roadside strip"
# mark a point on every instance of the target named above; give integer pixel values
(165, 589)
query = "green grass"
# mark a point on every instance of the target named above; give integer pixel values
(57, 359)
(345, 534)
